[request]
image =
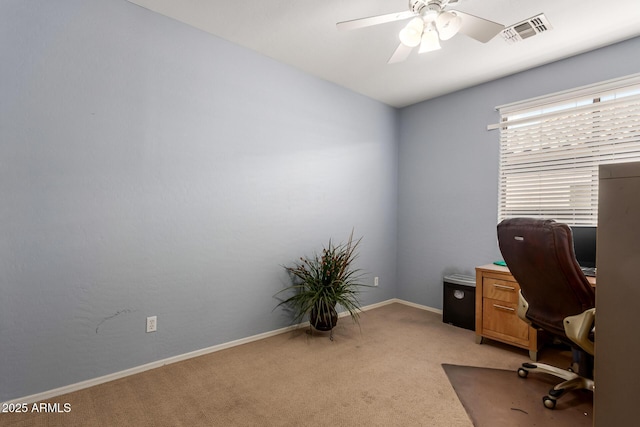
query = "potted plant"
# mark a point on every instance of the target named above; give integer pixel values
(323, 281)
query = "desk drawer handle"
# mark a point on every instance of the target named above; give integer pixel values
(509, 288)
(502, 307)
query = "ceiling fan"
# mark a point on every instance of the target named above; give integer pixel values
(430, 24)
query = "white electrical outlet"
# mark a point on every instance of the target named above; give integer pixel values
(152, 323)
(375, 281)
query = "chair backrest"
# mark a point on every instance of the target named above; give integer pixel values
(540, 256)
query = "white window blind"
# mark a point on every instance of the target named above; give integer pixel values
(551, 147)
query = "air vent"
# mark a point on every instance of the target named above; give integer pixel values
(525, 29)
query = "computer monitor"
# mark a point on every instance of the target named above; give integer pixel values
(584, 245)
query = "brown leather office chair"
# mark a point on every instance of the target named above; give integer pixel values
(554, 294)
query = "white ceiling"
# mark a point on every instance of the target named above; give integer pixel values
(302, 33)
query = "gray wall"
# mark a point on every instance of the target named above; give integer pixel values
(148, 168)
(448, 168)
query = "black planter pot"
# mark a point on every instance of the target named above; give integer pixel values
(323, 321)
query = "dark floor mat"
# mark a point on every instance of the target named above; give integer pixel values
(496, 397)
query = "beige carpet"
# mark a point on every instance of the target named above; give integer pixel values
(386, 373)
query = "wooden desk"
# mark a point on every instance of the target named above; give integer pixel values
(496, 305)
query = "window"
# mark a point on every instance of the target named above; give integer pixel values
(551, 147)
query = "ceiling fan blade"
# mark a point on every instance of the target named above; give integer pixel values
(401, 53)
(477, 28)
(374, 20)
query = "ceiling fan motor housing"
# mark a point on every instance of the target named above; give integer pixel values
(422, 6)
(429, 10)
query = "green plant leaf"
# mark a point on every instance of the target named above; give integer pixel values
(325, 280)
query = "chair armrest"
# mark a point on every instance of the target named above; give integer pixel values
(578, 329)
(523, 307)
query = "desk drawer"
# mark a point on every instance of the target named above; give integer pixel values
(500, 316)
(503, 290)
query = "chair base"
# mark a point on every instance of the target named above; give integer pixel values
(572, 381)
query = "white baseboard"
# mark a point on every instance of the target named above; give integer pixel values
(421, 307)
(49, 394)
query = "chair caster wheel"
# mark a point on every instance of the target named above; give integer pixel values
(549, 402)
(522, 373)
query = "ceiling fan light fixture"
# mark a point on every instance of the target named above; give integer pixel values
(429, 24)
(430, 41)
(411, 35)
(430, 15)
(448, 24)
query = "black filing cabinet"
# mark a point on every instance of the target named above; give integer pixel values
(459, 305)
